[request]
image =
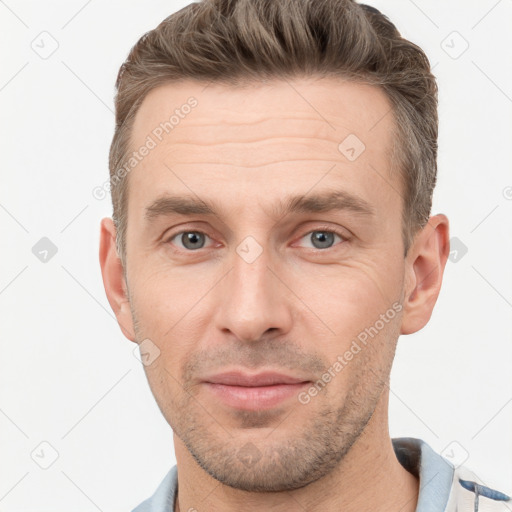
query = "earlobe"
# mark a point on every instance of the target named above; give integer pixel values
(425, 265)
(113, 278)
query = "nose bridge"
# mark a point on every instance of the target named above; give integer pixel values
(253, 299)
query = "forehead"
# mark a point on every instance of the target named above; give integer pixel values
(265, 139)
(328, 106)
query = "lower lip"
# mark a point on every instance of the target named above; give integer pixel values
(255, 398)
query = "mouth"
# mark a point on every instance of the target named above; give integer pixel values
(254, 392)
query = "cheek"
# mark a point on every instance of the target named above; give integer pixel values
(360, 359)
(348, 298)
(173, 311)
(163, 298)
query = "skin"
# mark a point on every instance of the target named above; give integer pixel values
(294, 309)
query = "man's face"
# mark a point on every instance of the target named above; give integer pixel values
(258, 287)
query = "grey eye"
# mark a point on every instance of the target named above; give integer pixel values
(322, 239)
(192, 239)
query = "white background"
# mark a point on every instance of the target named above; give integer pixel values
(68, 376)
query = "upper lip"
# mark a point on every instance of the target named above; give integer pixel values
(236, 378)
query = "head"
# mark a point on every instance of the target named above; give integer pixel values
(272, 172)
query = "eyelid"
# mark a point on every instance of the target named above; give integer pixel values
(327, 228)
(167, 239)
(199, 227)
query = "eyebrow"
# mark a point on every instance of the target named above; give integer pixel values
(169, 205)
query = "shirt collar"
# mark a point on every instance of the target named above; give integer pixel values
(434, 472)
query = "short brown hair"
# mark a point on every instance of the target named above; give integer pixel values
(234, 41)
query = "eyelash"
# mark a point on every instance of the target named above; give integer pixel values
(325, 229)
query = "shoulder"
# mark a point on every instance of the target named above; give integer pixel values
(443, 487)
(469, 493)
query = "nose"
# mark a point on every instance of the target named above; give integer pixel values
(256, 302)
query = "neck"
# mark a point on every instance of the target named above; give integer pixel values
(369, 477)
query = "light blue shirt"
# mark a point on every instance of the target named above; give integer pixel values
(436, 475)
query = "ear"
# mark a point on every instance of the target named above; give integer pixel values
(425, 263)
(114, 279)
